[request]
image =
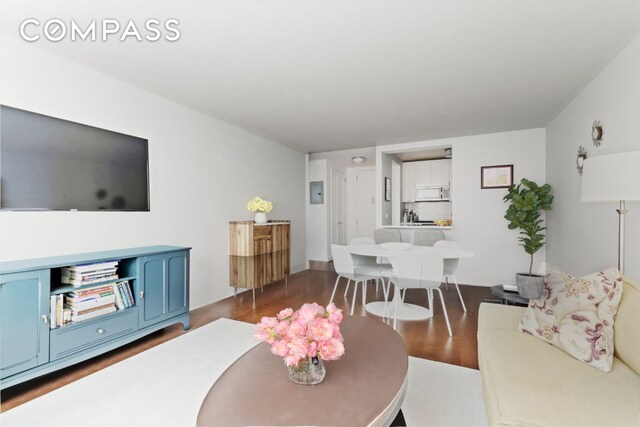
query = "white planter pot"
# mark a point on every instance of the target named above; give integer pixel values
(261, 218)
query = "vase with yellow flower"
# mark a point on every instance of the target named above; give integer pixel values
(261, 208)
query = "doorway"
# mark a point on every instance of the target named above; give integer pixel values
(361, 200)
(338, 208)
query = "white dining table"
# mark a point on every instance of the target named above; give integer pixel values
(405, 311)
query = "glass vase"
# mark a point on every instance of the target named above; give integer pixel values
(308, 371)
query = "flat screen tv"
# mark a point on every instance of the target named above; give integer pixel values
(53, 164)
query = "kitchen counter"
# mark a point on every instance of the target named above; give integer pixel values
(407, 230)
(414, 226)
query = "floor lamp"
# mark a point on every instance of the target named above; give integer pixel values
(613, 178)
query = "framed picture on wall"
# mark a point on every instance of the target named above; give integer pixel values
(500, 176)
(387, 189)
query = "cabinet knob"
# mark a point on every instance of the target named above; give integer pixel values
(141, 294)
(100, 331)
(45, 319)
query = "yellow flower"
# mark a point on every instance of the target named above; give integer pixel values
(259, 205)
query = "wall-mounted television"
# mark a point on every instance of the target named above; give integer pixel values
(48, 163)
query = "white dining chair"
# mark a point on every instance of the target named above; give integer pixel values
(450, 267)
(415, 270)
(384, 235)
(427, 237)
(367, 264)
(346, 268)
(362, 241)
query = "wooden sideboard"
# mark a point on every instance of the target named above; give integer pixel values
(258, 254)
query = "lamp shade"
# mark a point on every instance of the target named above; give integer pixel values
(613, 177)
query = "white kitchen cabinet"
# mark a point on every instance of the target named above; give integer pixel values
(422, 172)
(426, 172)
(440, 172)
(408, 182)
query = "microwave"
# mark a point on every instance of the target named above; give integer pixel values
(431, 193)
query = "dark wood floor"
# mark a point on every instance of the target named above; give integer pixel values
(426, 339)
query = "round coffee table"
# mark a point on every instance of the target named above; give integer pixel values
(365, 387)
(508, 296)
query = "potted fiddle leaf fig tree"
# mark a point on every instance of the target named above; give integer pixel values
(527, 201)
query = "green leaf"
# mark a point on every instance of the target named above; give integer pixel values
(527, 200)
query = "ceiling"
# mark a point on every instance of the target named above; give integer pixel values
(323, 75)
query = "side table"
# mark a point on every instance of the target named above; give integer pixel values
(508, 297)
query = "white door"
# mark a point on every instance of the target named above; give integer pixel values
(338, 208)
(365, 203)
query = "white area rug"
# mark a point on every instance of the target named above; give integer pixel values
(164, 386)
(440, 394)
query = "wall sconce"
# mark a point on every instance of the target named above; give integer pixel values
(582, 156)
(597, 132)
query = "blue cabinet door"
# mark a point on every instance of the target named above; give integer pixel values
(24, 321)
(152, 283)
(163, 287)
(178, 291)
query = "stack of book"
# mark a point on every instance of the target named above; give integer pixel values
(58, 315)
(90, 302)
(88, 274)
(124, 296)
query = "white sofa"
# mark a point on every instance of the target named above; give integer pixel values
(531, 383)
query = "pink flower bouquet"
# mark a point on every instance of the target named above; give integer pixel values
(312, 331)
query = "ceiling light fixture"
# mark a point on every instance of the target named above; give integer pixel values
(358, 160)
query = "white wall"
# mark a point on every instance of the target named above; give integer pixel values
(341, 159)
(318, 216)
(478, 215)
(583, 236)
(202, 172)
(387, 207)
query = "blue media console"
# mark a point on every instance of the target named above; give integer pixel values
(158, 277)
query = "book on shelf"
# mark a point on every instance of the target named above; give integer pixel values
(59, 308)
(77, 312)
(128, 294)
(81, 282)
(57, 311)
(87, 276)
(117, 293)
(83, 268)
(106, 310)
(91, 292)
(79, 275)
(66, 315)
(83, 304)
(53, 307)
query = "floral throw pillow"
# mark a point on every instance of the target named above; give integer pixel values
(553, 275)
(577, 316)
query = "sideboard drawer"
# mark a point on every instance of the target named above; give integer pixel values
(262, 232)
(90, 333)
